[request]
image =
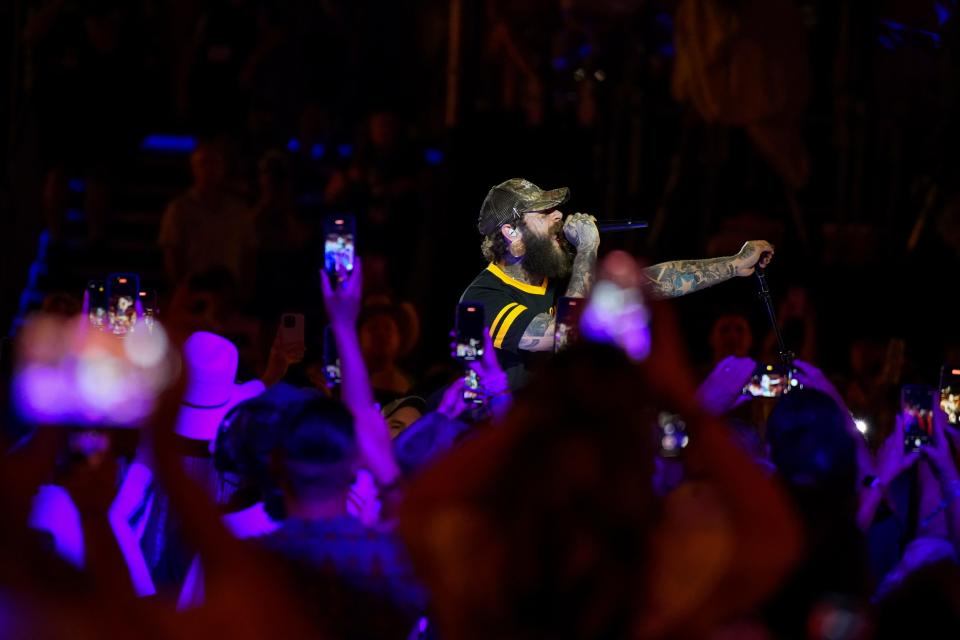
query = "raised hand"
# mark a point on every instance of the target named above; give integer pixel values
(938, 452)
(892, 460)
(493, 384)
(722, 391)
(343, 302)
(581, 230)
(493, 380)
(753, 253)
(813, 378)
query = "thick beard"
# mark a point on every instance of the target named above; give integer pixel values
(542, 257)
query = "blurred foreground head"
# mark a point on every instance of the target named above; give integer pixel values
(539, 526)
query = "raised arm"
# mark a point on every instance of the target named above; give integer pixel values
(680, 277)
(373, 434)
(581, 230)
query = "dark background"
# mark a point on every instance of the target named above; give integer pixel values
(562, 93)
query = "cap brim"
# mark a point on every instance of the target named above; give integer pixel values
(202, 424)
(549, 200)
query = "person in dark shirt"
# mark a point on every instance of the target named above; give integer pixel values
(315, 464)
(532, 250)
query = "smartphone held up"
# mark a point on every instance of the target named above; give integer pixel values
(771, 381)
(118, 306)
(468, 331)
(950, 393)
(468, 346)
(916, 409)
(339, 250)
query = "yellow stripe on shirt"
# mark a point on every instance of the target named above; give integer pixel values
(502, 313)
(513, 282)
(505, 327)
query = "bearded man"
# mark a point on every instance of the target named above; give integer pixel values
(532, 250)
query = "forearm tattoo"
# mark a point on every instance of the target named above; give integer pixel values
(539, 334)
(581, 277)
(680, 277)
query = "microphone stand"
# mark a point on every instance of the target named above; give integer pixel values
(786, 356)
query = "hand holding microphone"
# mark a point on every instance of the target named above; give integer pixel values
(581, 230)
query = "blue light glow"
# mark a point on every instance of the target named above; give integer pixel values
(345, 150)
(293, 145)
(317, 151)
(584, 50)
(433, 157)
(942, 11)
(166, 143)
(77, 185)
(560, 63)
(894, 38)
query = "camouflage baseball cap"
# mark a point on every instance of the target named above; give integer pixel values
(508, 201)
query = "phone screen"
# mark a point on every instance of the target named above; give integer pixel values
(123, 292)
(97, 303)
(148, 308)
(672, 431)
(916, 406)
(331, 358)
(950, 392)
(339, 233)
(567, 324)
(468, 331)
(770, 381)
(471, 387)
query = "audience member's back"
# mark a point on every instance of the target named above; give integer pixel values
(815, 456)
(316, 461)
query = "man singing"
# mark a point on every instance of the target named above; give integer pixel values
(529, 257)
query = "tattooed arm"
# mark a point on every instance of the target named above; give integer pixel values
(539, 334)
(581, 230)
(680, 277)
(581, 277)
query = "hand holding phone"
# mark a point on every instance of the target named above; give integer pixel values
(291, 329)
(331, 359)
(468, 332)
(472, 389)
(339, 235)
(916, 407)
(770, 381)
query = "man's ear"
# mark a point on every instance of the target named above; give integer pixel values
(509, 232)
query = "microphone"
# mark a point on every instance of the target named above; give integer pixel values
(620, 225)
